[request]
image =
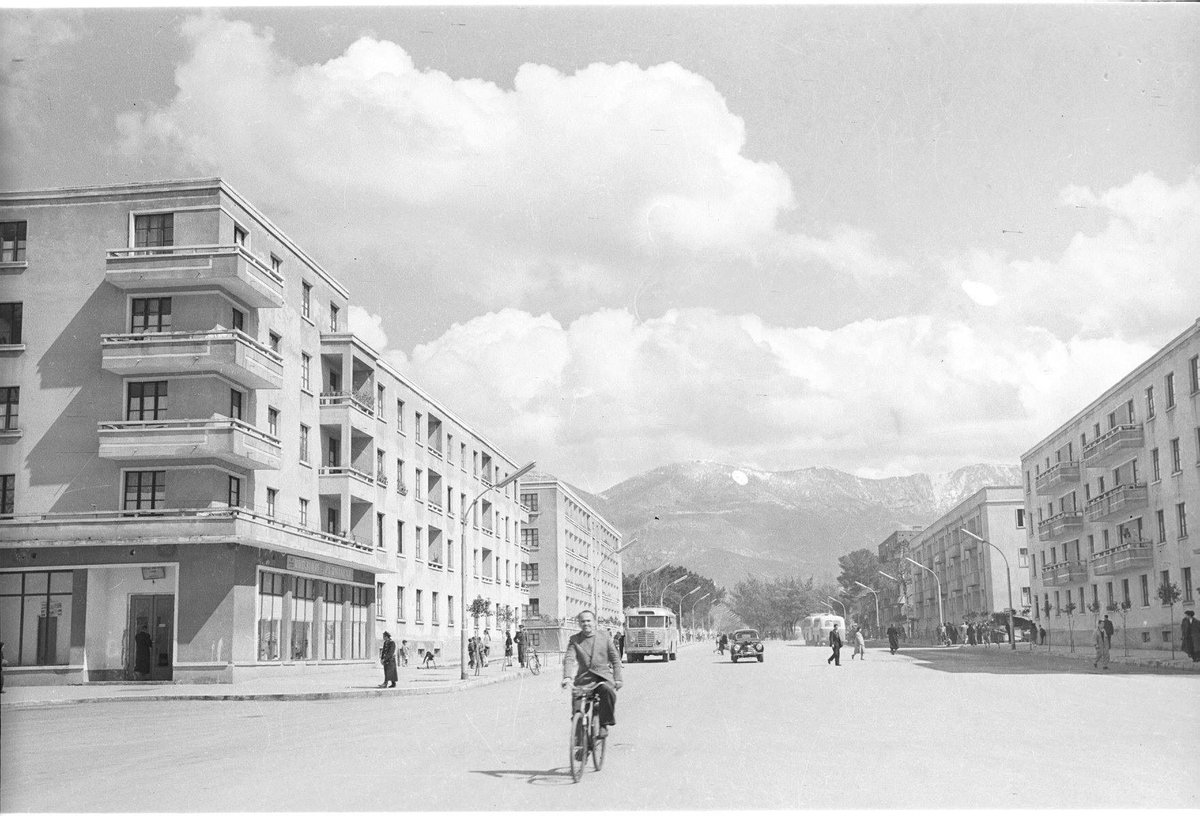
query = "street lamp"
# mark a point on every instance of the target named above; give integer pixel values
(596, 576)
(642, 582)
(681, 599)
(697, 603)
(839, 603)
(462, 561)
(1012, 633)
(662, 595)
(941, 617)
(876, 594)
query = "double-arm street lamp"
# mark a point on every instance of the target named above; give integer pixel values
(876, 594)
(1012, 634)
(642, 583)
(662, 595)
(941, 617)
(462, 561)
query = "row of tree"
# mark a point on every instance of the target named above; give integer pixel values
(774, 607)
(693, 596)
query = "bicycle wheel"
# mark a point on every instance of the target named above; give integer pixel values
(577, 746)
(535, 664)
(598, 744)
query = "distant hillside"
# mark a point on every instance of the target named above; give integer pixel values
(776, 524)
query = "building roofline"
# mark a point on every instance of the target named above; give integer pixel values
(177, 186)
(1121, 384)
(940, 521)
(546, 480)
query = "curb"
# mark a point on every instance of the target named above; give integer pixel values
(449, 687)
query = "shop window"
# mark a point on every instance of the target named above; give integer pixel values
(270, 614)
(335, 595)
(35, 617)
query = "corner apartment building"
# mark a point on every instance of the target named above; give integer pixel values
(1110, 492)
(574, 563)
(972, 574)
(194, 443)
(893, 595)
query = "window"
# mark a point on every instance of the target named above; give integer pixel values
(1164, 578)
(157, 230)
(399, 538)
(304, 512)
(238, 319)
(1145, 583)
(529, 573)
(35, 617)
(12, 242)
(335, 596)
(417, 428)
(333, 317)
(147, 401)
(1181, 517)
(1026, 598)
(235, 492)
(417, 484)
(272, 496)
(1194, 373)
(10, 324)
(433, 608)
(10, 403)
(534, 608)
(417, 545)
(1185, 577)
(304, 598)
(1057, 607)
(333, 521)
(1161, 517)
(400, 604)
(145, 490)
(1176, 459)
(1155, 466)
(239, 235)
(379, 522)
(273, 421)
(399, 416)
(304, 443)
(462, 452)
(8, 494)
(380, 472)
(150, 315)
(449, 610)
(275, 341)
(306, 300)
(1020, 518)
(235, 404)
(418, 614)
(1125, 590)
(380, 613)
(276, 265)
(1023, 557)
(305, 373)
(530, 500)
(1170, 390)
(400, 476)
(1108, 590)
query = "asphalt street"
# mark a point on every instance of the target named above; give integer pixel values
(926, 728)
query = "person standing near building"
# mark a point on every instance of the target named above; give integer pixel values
(860, 645)
(508, 649)
(1101, 638)
(387, 656)
(835, 643)
(1191, 635)
(893, 638)
(141, 656)
(519, 640)
(1108, 630)
(403, 652)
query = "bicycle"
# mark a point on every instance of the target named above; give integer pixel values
(534, 663)
(585, 736)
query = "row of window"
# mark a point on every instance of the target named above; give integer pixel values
(1185, 588)
(326, 620)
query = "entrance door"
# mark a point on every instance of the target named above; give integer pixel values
(157, 614)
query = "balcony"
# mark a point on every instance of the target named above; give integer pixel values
(1061, 524)
(215, 525)
(1064, 573)
(342, 408)
(227, 440)
(1121, 500)
(341, 480)
(165, 269)
(230, 353)
(1129, 556)
(1109, 448)
(1058, 478)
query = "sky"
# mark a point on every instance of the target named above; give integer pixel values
(885, 239)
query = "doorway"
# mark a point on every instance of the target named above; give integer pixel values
(157, 614)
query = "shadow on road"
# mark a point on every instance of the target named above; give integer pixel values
(994, 661)
(554, 776)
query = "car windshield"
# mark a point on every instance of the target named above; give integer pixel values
(746, 634)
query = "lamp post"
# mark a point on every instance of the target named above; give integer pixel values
(1012, 633)
(662, 595)
(642, 582)
(462, 561)
(681, 600)
(839, 603)
(876, 594)
(596, 577)
(941, 617)
(898, 581)
(696, 603)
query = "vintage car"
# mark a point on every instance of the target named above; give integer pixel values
(745, 643)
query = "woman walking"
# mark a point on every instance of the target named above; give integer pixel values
(387, 656)
(1101, 661)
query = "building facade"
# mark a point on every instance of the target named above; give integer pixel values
(971, 576)
(196, 445)
(574, 562)
(1109, 492)
(894, 604)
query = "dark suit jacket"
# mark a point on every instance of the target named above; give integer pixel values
(835, 640)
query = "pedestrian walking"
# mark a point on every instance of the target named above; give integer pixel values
(1191, 636)
(621, 645)
(835, 643)
(1101, 638)
(1042, 635)
(962, 634)
(1108, 630)
(519, 640)
(970, 634)
(387, 656)
(860, 645)
(893, 638)
(403, 652)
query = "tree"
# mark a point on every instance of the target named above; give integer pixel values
(1169, 594)
(1046, 607)
(481, 607)
(1069, 610)
(859, 565)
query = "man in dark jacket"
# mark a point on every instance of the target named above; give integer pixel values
(835, 643)
(893, 638)
(519, 640)
(387, 656)
(592, 658)
(1191, 635)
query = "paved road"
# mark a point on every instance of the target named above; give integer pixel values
(928, 728)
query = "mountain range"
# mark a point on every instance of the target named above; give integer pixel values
(727, 522)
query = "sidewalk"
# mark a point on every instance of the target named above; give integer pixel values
(353, 681)
(1154, 658)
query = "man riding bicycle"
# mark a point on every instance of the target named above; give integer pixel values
(593, 658)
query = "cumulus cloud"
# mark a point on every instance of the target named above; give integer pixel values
(368, 326)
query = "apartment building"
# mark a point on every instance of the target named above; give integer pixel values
(195, 444)
(972, 577)
(574, 562)
(1109, 492)
(893, 594)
